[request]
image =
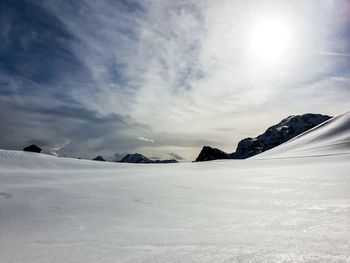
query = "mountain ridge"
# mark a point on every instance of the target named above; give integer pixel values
(275, 135)
(140, 158)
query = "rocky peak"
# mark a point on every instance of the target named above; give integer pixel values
(208, 153)
(275, 135)
(99, 158)
(135, 158)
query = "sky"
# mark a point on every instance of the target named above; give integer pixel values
(163, 78)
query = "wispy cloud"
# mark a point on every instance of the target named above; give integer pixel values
(176, 156)
(100, 73)
(54, 150)
(335, 54)
(142, 139)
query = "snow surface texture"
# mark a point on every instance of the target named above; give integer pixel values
(277, 209)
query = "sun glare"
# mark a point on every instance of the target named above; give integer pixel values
(269, 40)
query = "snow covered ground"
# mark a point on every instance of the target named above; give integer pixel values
(288, 205)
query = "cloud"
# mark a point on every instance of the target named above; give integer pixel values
(145, 139)
(100, 73)
(87, 131)
(57, 148)
(335, 54)
(176, 156)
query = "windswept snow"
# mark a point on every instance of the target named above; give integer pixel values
(261, 210)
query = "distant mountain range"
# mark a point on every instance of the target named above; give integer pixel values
(275, 135)
(139, 158)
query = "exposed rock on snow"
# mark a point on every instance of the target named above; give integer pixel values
(277, 134)
(32, 148)
(139, 158)
(285, 130)
(208, 153)
(329, 138)
(165, 161)
(135, 158)
(99, 158)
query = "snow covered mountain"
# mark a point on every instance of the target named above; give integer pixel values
(135, 158)
(330, 137)
(288, 204)
(275, 135)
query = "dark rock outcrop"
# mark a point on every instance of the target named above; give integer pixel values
(285, 130)
(165, 161)
(32, 148)
(135, 158)
(99, 158)
(139, 158)
(208, 153)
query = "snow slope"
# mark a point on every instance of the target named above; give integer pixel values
(256, 210)
(330, 137)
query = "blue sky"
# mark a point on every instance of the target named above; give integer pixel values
(163, 78)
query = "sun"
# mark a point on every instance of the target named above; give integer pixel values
(269, 39)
